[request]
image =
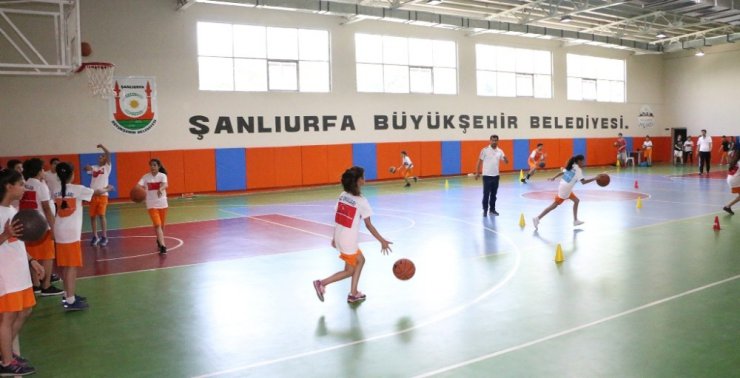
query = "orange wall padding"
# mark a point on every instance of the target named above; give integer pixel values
(288, 166)
(470, 154)
(600, 151)
(261, 168)
(314, 165)
(338, 159)
(508, 147)
(131, 167)
(200, 171)
(662, 149)
(431, 156)
(173, 162)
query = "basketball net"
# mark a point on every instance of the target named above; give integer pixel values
(99, 78)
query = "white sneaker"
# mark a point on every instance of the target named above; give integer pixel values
(577, 222)
(536, 222)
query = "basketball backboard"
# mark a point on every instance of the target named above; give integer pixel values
(39, 37)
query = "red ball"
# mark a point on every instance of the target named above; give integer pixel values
(137, 194)
(34, 225)
(603, 179)
(85, 49)
(404, 269)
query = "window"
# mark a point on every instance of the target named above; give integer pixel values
(389, 64)
(257, 58)
(511, 72)
(595, 79)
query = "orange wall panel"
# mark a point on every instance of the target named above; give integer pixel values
(565, 152)
(288, 166)
(508, 147)
(339, 158)
(173, 162)
(261, 168)
(200, 171)
(314, 165)
(470, 154)
(431, 157)
(131, 167)
(388, 155)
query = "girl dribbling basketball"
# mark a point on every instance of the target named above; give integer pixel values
(571, 175)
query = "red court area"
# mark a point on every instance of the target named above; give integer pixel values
(588, 195)
(715, 175)
(135, 249)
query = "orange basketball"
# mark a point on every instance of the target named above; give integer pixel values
(404, 269)
(138, 194)
(603, 179)
(392, 169)
(85, 49)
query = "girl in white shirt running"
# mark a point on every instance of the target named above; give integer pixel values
(571, 175)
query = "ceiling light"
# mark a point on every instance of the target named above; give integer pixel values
(434, 2)
(566, 19)
(699, 52)
(661, 35)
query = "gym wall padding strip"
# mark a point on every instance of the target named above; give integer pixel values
(451, 154)
(231, 169)
(365, 155)
(430, 159)
(130, 167)
(579, 148)
(200, 170)
(521, 152)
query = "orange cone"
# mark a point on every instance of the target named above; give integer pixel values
(716, 224)
(636, 185)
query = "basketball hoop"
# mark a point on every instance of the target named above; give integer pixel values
(100, 78)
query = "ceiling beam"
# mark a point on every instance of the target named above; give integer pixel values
(624, 21)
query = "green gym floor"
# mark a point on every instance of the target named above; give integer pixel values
(652, 291)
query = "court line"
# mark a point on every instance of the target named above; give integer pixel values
(445, 314)
(279, 224)
(574, 329)
(145, 254)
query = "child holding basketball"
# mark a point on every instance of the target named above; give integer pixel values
(36, 197)
(733, 180)
(408, 167)
(99, 202)
(536, 160)
(351, 208)
(16, 294)
(68, 232)
(571, 175)
(155, 184)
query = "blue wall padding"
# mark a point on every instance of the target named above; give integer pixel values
(521, 153)
(451, 163)
(365, 155)
(579, 147)
(92, 159)
(231, 169)
(629, 144)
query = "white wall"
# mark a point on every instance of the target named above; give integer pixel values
(704, 92)
(51, 115)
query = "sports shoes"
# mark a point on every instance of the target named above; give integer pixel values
(77, 299)
(21, 360)
(94, 241)
(79, 305)
(485, 213)
(416, 179)
(408, 184)
(356, 298)
(577, 222)
(319, 289)
(103, 241)
(494, 212)
(55, 277)
(524, 181)
(37, 289)
(51, 291)
(536, 222)
(162, 250)
(728, 210)
(16, 368)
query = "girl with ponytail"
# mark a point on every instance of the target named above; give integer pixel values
(572, 174)
(68, 232)
(155, 184)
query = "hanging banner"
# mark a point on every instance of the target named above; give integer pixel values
(133, 106)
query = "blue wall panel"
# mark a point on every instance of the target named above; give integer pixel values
(231, 169)
(451, 163)
(579, 147)
(92, 159)
(521, 154)
(365, 155)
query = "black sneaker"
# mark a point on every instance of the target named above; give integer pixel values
(37, 289)
(524, 181)
(55, 277)
(728, 210)
(77, 306)
(51, 291)
(15, 368)
(494, 212)
(77, 298)
(415, 179)
(408, 184)
(162, 250)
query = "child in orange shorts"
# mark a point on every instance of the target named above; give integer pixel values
(16, 293)
(733, 180)
(155, 184)
(99, 203)
(351, 208)
(572, 174)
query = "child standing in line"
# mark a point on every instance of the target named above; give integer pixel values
(36, 197)
(155, 184)
(536, 158)
(16, 294)
(68, 232)
(408, 167)
(51, 178)
(733, 180)
(351, 208)
(688, 150)
(571, 175)
(99, 202)
(647, 150)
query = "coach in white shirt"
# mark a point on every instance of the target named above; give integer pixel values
(704, 149)
(489, 161)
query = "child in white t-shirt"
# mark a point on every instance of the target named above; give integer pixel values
(100, 183)
(408, 168)
(572, 174)
(351, 208)
(733, 180)
(155, 184)
(68, 232)
(16, 294)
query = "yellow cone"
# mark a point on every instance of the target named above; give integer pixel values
(617, 163)
(559, 254)
(447, 184)
(521, 221)
(521, 175)
(639, 202)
